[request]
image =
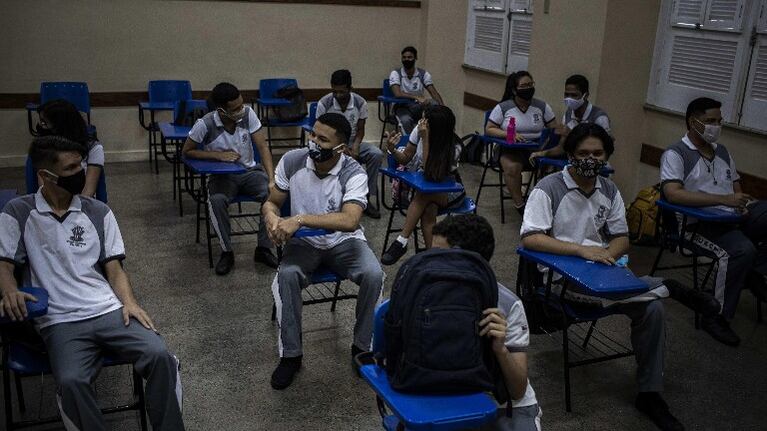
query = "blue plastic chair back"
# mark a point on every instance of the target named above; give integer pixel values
(190, 105)
(550, 138)
(386, 89)
(30, 177)
(169, 90)
(312, 114)
(487, 118)
(267, 87)
(73, 92)
(379, 343)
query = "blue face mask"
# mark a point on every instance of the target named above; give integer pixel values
(319, 154)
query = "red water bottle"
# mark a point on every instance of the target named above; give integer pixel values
(511, 131)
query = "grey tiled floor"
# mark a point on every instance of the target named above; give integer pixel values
(220, 328)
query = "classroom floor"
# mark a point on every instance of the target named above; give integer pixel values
(220, 329)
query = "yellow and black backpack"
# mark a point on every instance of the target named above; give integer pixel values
(642, 216)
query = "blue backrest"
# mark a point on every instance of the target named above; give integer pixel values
(312, 113)
(386, 89)
(553, 138)
(189, 106)
(379, 342)
(267, 87)
(30, 177)
(73, 92)
(487, 118)
(169, 90)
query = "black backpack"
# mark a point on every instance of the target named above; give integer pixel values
(297, 109)
(473, 147)
(432, 325)
(188, 117)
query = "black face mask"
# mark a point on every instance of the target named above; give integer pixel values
(319, 154)
(588, 167)
(526, 93)
(42, 131)
(408, 63)
(74, 184)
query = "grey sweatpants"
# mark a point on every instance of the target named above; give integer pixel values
(75, 351)
(371, 156)
(526, 418)
(648, 339)
(352, 259)
(223, 188)
(738, 251)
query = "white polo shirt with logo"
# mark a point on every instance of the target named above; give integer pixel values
(414, 86)
(209, 131)
(63, 255)
(310, 193)
(592, 114)
(356, 109)
(529, 123)
(682, 163)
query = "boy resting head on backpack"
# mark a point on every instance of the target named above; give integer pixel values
(506, 324)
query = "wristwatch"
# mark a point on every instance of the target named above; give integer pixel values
(300, 221)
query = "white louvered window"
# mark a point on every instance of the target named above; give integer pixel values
(704, 48)
(498, 34)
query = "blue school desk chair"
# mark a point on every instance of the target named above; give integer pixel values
(386, 102)
(163, 95)
(414, 412)
(24, 355)
(267, 102)
(30, 177)
(74, 92)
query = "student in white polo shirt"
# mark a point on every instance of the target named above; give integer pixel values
(506, 324)
(354, 107)
(410, 82)
(578, 109)
(531, 117)
(327, 189)
(227, 135)
(71, 246)
(698, 171)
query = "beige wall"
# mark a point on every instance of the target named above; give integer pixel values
(120, 45)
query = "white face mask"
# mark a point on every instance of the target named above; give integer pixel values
(711, 132)
(574, 103)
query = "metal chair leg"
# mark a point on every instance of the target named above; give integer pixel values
(566, 357)
(588, 334)
(138, 388)
(388, 228)
(20, 393)
(500, 195)
(335, 296)
(7, 388)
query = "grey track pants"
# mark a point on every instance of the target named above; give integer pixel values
(371, 157)
(352, 259)
(75, 351)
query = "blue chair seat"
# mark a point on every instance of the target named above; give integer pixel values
(468, 206)
(27, 360)
(324, 275)
(430, 412)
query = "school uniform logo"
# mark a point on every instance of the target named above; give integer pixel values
(76, 240)
(729, 175)
(332, 206)
(536, 118)
(599, 217)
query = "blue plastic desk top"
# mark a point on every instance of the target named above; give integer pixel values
(172, 131)
(431, 412)
(518, 146)
(34, 309)
(593, 276)
(212, 167)
(5, 196)
(418, 182)
(32, 106)
(157, 106)
(306, 232)
(705, 214)
(387, 99)
(272, 101)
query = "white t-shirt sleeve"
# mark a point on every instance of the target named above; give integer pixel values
(363, 111)
(113, 247)
(427, 81)
(198, 132)
(671, 167)
(357, 190)
(12, 247)
(615, 225)
(96, 154)
(253, 122)
(538, 216)
(496, 115)
(320, 109)
(517, 330)
(603, 122)
(413, 139)
(281, 181)
(394, 78)
(548, 114)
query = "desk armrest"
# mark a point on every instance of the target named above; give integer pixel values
(272, 102)
(34, 309)
(702, 213)
(386, 99)
(307, 232)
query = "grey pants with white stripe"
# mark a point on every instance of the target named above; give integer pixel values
(75, 353)
(222, 189)
(648, 339)
(739, 253)
(352, 259)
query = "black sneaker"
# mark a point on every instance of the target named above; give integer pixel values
(265, 256)
(225, 263)
(758, 285)
(719, 328)
(652, 405)
(703, 303)
(286, 370)
(372, 212)
(394, 253)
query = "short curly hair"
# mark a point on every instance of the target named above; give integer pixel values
(469, 232)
